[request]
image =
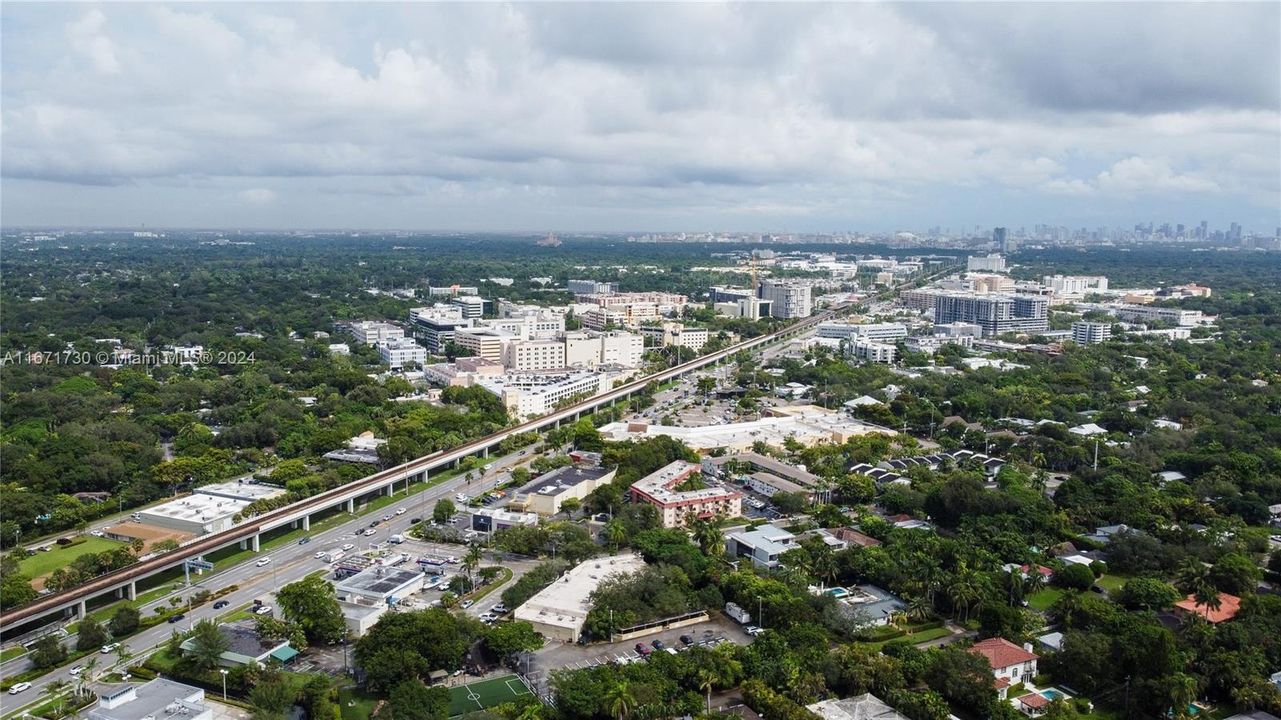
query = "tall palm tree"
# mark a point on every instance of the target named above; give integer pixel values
(615, 533)
(919, 608)
(86, 674)
(471, 561)
(619, 700)
(707, 679)
(54, 691)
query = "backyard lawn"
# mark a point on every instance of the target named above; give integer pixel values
(1041, 600)
(1111, 583)
(43, 563)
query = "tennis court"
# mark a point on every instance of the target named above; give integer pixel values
(485, 694)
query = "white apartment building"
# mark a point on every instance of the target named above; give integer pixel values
(471, 305)
(371, 332)
(528, 395)
(621, 348)
(870, 350)
(1148, 314)
(880, 332)
(529, 327)
(788, 298)
(991, 263)
(627, 315)
(529, 355)
(670, 334)
(1090, 333)
(399, 352)
(591, 287)
(1074, 284)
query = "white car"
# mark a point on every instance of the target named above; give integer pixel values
(263, 610)
(263, 561)
(98, 533)
(370, 532)
(348, 547)
(321, 555)
(467, 603)
(75, 671)
(19, 688)
(401, 511)
(460, 497)
(109, 648)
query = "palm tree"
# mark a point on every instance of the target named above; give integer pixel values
(1194, 579)
(475, 553)
(54, 691)
(86, 674)
(963, 592)
(619, 700)
(615, 534)
(919, 608)
(707, 679)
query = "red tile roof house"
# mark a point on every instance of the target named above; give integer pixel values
(1229, 606)
(1009, 662)
(1043, 571)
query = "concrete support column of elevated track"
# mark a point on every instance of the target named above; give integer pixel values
(256, 542)
(306, 522)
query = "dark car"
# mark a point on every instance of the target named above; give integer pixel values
(304, 541)
(177, 618)
(415, 521)
(658, 644)
(643, 649)
(375, 523)
(221, 604)
(687, 639)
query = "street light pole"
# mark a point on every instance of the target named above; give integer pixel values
(224, 682)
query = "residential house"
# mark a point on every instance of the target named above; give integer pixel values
(1010, 663)
(1229, 606)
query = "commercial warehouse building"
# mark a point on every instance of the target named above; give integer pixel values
(545, 495)
(559, 610)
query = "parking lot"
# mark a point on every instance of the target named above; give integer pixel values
(555, 656)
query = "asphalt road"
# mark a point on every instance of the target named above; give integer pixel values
(289, 563)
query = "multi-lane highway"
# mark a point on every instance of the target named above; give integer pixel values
(289, 563)
(386, 480)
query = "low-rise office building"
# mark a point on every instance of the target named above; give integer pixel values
(246, 647)
(878, 332)
(158, 699)
(527, 395)
(762, 546)
(488, 520)
(402, 352)
(370, 332)
(545, 495)
(379, 585)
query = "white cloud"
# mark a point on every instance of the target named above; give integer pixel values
(680, 108)
(1149, 175)
(257, 196)
(87, 38)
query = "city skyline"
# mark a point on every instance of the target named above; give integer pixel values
(618, 118)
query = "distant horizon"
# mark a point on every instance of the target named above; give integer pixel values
(597, 118)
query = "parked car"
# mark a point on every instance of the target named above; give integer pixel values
(500, 608)
(467, 603)
(221, 604)
(98, 533)
(644, 649)
(75, 671)
(19, 688)
(176, 618)
(687, 639)
(263, 610)
(658, 644)
(460, 497)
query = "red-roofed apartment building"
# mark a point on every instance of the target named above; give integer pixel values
(1229, 606)
(1009, 662)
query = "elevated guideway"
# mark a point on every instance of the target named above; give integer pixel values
(124, 581)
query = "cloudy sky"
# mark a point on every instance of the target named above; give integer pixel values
(801, 117)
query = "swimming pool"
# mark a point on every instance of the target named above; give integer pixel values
(1053, 694)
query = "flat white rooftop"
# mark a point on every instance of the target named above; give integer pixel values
(240, 491)
(661, 484)
(197, 508)
(565, 603)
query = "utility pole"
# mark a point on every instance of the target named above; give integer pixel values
(1096, 454)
